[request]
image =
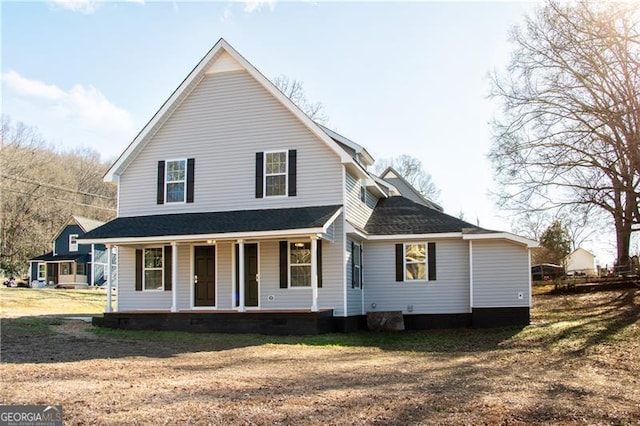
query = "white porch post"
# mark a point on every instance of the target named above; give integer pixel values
(314, 273)
(240, 260)
(93, 264)
(109, 282)
(174, 276)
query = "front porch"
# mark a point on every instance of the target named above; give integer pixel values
(277, 322)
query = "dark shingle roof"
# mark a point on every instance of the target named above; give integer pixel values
(214, 223)
(50, 257)
(399, 215)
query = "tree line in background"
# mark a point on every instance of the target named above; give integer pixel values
(567, 144)
(40, 188)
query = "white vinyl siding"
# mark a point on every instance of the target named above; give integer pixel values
(358, 213)
(449, 294)
(128, 297)
(222, 123)
(500, 274)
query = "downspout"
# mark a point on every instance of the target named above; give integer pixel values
(471, 276)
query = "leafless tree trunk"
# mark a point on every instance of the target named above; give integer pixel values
(570, 129)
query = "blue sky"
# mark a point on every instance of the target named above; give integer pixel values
(395, 77)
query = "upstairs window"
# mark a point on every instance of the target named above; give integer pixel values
(176, 180)
(73, 242)
(275, 176)
(300, 264)
(363, 191)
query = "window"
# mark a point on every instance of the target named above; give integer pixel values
(275, 176)
(300, 264)
(66, 268)
(415, 262)
(152, 269)
(73, 242)
(176, 178)
(357, 265)
(363, 192)
(81, 268)
(42, 271)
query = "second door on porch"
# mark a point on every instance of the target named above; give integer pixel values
(250, 275)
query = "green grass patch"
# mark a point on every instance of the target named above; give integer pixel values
(28, 302)
(28, 327)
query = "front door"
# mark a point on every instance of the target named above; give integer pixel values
(205, 276)
(250, 275)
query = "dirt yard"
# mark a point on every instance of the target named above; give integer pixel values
(578, 363)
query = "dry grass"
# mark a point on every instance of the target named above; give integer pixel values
(16, 302)
(578, 363)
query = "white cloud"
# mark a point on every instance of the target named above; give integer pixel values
(85, 6)
(81, 116)
(251, 6)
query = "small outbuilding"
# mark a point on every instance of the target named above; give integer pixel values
(580, 262)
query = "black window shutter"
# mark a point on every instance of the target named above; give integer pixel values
(399, 262)
(361, 269)
(168, 264)
(191, 165)
(138, 270)
(160, 189)
(353, 265)
(284, 264)
(259, 173)
(319, 262)
(293, 165)
(431, 260)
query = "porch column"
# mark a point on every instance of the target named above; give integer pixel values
(109, 283)
(314, 273)
(174, 276)
(93, 265)
(240, 260)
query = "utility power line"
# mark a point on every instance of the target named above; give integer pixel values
(60, 188)
(61, 200)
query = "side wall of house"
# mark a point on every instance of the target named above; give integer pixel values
(501, 275)
(358, 212)
(222, 124)
(62, 241)
(448, 294)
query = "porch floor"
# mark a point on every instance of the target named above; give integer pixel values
(274, 322)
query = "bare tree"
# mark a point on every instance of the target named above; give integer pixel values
(570, 129)
(39, 189)
(294, 90)
(412, 170)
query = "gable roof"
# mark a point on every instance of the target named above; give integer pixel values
(210, 225)
(402, 216)
(84, 223)
(392, 176)
(220, 58)
(578, 250)
(350, 146)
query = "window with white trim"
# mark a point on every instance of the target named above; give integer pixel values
(42, 271)
(300, 264)
(152, 271)
(73, 242)
(415, 262)
(363, 191)
(357, 265)
(275, 174)
(176, 181)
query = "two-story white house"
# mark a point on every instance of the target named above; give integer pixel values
(237, 212)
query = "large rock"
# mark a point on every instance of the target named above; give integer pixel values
(385, 321)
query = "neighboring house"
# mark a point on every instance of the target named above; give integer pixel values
(580, 262)
(237, 212)
(71, 263)
(546, 271)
